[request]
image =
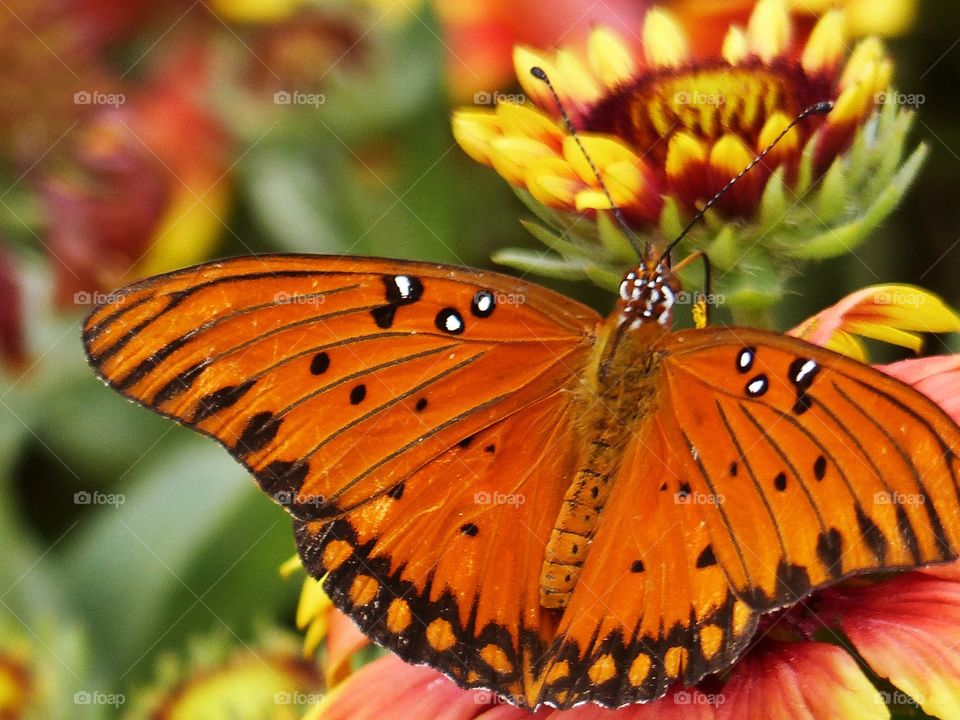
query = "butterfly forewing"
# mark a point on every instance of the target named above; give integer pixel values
(332, 379)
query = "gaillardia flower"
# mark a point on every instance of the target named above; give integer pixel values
(666, 129)
(868, 648)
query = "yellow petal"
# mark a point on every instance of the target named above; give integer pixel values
(863, 61)
(602, 150)
(524, 59)
(891, 313)
(314, 604)
(625, 182)
(573, 81)
(776, 124)
(610, 57)
(511, 156)
(769, 29)
(526, 121)
(553, 182)
(664, 42)
(735, 45)
(474, 130)
(729, 155)
(826, 44)
(684, 150)
(592, 200)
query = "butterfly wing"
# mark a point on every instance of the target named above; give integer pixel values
(415, 419)
(332, 379)
(445, 569)
(769, 468)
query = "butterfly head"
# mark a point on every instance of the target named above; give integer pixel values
(648, 292)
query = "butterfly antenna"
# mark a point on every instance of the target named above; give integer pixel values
(642, 250)
(820, 108)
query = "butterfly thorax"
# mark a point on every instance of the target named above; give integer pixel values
(619, 394)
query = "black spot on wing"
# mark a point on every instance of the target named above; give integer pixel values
(180, 383)
(872, 535)
(320, 363)
(212, 403)
(830, 550)
(259, 431)
(706, 557)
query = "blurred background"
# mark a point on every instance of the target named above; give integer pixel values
(137, 137)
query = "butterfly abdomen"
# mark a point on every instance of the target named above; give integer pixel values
(621, 396)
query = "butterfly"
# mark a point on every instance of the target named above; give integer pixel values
(494, 480)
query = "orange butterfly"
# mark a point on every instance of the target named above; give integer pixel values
(496, 481)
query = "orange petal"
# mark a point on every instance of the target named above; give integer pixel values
(906, 629)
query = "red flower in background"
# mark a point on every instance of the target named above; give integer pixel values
(144, 188)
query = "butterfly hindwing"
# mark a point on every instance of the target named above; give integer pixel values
(444, 568)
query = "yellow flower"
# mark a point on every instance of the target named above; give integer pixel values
(659, 124)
